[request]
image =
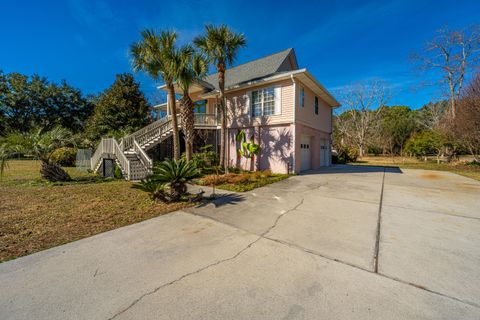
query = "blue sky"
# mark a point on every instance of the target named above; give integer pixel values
(341, 42)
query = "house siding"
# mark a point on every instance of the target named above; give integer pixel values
(306, 115)
(276, 153)
(239, 112)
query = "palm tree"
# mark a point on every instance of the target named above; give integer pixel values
(191, 67)
(41, 145)
(221, 45)
(168, 181)
(155, 55)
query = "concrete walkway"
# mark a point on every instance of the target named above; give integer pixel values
(340, 243)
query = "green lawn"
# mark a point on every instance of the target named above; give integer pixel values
(36, 215)
(461, 168)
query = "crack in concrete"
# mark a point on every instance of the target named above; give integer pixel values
(379, 225)
(280, 216)
(185, 276)
(433, 212)
(315, 253)
(297, 247)
(261, 236)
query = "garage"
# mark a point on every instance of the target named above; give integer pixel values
(305, 153)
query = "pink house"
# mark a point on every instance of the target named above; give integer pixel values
(284, 108)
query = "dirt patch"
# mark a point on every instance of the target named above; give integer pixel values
(431, 176)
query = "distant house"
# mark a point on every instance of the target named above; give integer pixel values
(284, 108)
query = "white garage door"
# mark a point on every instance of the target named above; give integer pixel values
(305, 153)
(324, 152)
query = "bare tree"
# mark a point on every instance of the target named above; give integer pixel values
(466, 125)
(452, 54)
(362, 104)
(431, 114)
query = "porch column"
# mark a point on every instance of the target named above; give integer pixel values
(168, 105)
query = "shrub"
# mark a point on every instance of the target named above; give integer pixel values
(205, 159)
(235, 178)
(117, 172)
(346, 155)
(64, 156)
(168, 181)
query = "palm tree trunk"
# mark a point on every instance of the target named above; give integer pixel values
(173, 111)
(53, 172)
(188, 124)
(223, 115)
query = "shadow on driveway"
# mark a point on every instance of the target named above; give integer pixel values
(346, 168)
(229, 198)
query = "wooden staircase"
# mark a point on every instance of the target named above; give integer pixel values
(130, 154)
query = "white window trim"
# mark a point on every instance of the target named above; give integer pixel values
(277, 92)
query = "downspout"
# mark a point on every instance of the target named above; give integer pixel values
(330, 143)
(294, 165)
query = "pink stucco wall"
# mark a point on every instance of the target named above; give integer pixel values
(276, 148)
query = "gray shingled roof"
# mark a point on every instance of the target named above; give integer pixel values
(253, 70)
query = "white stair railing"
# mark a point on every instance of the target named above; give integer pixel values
(109, 147)
(140, 140)
(142, 155)
(146, 133)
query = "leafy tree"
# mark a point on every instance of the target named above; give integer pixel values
(31, 102)
(396, 125)
(40, 144)
(425, 143)
(155, 55)
(220, 44)
(120, 109)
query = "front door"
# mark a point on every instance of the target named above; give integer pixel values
(108, 168)
(305, 153)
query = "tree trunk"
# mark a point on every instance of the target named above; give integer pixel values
(53, 172)
(188, 124)
(175, 190)
(173, 111)
(223, 114)
(361, 150)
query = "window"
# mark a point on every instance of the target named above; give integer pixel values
(316, 105)
(263, 102)
(200, 106)
(302, 97)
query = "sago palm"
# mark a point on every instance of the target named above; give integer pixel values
(220, 44)
(175, 175)
(191, 67)
(155, 54)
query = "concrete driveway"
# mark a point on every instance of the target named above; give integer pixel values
(340, 243)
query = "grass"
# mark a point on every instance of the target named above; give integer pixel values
(461, 167)
(36, 215)
(241, 182)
